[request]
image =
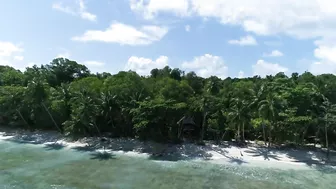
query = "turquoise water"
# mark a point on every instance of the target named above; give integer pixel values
(28, 166)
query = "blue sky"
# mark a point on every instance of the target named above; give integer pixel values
(211, 37)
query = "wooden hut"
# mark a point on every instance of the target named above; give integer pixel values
(189, 129)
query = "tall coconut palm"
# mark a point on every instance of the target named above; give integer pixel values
(269, 108)
(238, 116)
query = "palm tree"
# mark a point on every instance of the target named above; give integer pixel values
(36, 91)
(329, 119)
(268, 110)
(238, 115)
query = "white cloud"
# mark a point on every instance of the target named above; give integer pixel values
(60, 7)
(309, 19)
(63, 55)
(244, 41)
(4, 62)
(305, 19)
(263, 68)
(78, 10)
(10, 54)
(8, 48)
(241, 74)
(207, 65)
(187, 28)
(125, 34)
(143, 66)
(94, 63)
(327, 62)
(18, 58)
(326, 53)
(322, 67)
(150, 8)
(95, 66)
(274, 53)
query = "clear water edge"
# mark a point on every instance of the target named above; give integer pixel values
(26, 166)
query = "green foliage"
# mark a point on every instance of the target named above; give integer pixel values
(65, 95)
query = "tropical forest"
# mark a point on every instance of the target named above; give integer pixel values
(65, 96)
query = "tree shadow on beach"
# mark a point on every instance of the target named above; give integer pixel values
(54, 146)
(86, 148)
(102, 156)
(263, 152)
(236, 160)
(313, 158)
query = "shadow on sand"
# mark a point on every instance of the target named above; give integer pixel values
(262, 152)
(102, 156)
(54, 146)
(172, 152)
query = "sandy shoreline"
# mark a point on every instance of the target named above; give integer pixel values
(219, 154)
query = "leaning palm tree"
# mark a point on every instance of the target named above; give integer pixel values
(37, 93)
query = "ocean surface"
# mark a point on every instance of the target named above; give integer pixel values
(29, 166)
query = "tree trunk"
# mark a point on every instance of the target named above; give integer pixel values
(99, 133)
(303, 135)
(269, 138)
(203, 125)
(243, 130)
(23, 118)
(238, 133)
(327, 143)
(316, 136)
(179, 132)
(112, 122)
(59, 129)
(264, 134)
(223, 135)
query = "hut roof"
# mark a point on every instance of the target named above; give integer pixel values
(188, 121)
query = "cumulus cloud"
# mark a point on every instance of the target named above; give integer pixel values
(18, 58)
(8, 49)
(263, 68)
(10, 54)
(77, 10)
(244, 41)
(150, 9)
(143, 66)
(274, 53)
(308, 19)
(327, 63)
(264, 18)
(95, 66)
(125, 34)
(207, 65)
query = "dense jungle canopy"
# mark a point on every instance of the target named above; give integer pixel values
(66, 96)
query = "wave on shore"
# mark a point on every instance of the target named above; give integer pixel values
(220, 154)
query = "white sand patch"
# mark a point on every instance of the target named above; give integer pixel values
(219, 154)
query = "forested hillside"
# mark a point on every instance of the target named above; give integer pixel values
(67, 97)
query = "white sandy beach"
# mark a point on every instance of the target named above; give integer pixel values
(220, 154)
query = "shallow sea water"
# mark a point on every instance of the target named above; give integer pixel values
(28, 166)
